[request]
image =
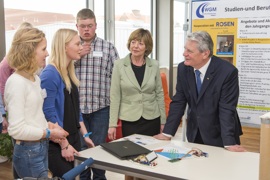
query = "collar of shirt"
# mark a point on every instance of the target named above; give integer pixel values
(203, 70)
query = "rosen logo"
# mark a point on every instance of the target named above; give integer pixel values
(204, 9)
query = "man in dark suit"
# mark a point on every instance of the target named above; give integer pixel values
(212, 97)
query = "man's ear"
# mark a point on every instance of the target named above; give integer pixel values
(206, 54)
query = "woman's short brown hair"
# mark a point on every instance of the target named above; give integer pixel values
(142, 35)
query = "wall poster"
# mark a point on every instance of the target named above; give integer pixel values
(241, 34)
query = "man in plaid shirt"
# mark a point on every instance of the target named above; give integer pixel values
(94, 71)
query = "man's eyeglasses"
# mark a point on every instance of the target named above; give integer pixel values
(83, 26)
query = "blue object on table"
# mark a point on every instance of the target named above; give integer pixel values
(70, 175)
(169, 155)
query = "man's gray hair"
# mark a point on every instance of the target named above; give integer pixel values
(203, 40)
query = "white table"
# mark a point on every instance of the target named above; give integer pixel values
(220, 165)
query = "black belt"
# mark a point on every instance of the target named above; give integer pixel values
(20, 142)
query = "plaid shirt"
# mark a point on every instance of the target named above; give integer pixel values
(94, 71)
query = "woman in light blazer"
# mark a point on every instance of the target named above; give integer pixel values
(136, 90)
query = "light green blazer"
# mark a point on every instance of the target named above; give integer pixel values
(129, 101)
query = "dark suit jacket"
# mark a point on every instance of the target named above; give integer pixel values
(213, 111)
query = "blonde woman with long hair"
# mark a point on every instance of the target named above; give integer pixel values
(62, 102)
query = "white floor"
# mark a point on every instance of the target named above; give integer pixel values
(116, 176)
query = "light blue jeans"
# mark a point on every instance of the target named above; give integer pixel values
(30, 159)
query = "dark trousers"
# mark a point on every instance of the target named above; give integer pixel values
(97, 123)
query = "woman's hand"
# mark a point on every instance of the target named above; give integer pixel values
(52, 125)
(58, 133)
(161, 128)
(112, 133)
(89, 142)
(68, 151)
(5, 125)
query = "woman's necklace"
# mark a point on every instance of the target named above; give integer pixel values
(138, 63)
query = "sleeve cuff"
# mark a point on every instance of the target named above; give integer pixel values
(228, 146)
(168, 135)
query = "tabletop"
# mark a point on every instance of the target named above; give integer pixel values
(221, 164)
